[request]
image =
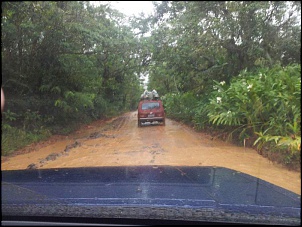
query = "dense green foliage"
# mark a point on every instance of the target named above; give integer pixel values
(265, 101)
(65, 64)
(196, 42)
(231, 66)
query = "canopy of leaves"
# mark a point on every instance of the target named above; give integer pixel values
(68, 61)
(196, 42)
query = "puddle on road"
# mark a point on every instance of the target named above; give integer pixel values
(120, 142)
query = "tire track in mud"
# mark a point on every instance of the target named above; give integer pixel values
(120, 142)
(154, 151)
(115, 125)
(153, 136)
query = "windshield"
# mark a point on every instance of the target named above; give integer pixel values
(226, 148)
(150, 105)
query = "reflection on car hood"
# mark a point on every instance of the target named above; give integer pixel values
(162, 192)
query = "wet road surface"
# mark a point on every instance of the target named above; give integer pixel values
(120, 142)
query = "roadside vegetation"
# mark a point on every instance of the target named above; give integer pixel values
(64, 64)
(232, 69)
(260, 110)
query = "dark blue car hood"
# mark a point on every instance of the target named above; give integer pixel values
(161, 192)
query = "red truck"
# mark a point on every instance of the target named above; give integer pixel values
(150, 111)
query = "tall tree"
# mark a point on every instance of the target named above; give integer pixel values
(202, 41)
(67, 60)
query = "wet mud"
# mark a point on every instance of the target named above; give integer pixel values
(120, 142)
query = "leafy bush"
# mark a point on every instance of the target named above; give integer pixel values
(266, 103)
(180, 106)
(200, 118)
(14, 138)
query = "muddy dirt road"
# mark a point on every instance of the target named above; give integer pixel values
(120, 142)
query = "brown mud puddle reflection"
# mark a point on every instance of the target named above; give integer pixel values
(120, 142)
